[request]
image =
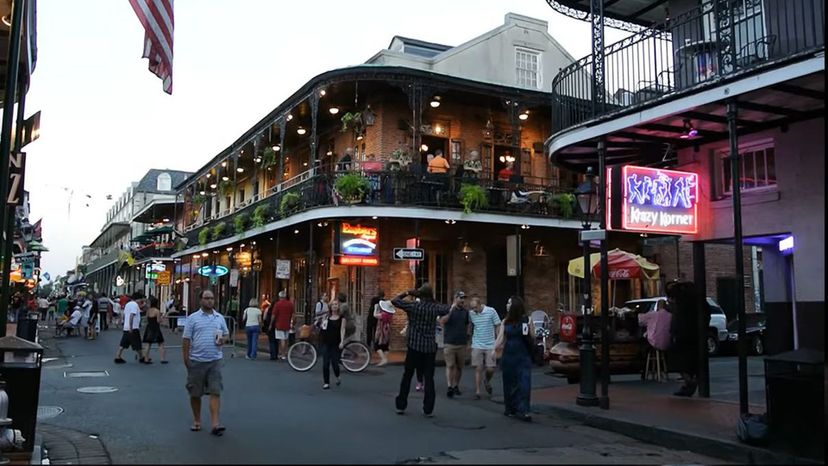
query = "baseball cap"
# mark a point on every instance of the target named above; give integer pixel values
(459, 294)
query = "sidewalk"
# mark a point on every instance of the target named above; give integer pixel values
(648, 411)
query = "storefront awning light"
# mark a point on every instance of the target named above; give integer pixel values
(333, 110)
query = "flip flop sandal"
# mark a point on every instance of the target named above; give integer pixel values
(218, 431)
(195, 427)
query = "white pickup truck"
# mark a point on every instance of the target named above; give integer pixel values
(717, 328)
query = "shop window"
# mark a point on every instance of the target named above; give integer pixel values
(527, 67)
(758, 168)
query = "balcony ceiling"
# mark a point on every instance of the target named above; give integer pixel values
(28, 44)
(654, 143)
(645, 13)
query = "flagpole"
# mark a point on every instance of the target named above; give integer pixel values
(18, 6)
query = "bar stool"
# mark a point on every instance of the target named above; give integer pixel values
(656, 366)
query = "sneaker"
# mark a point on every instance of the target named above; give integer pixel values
(399, 411)
(120, 361)
(338, 381)
(325, 387)
(457, 390)
(428, 414)
(450, 392)
(418, 387)
(488, 386)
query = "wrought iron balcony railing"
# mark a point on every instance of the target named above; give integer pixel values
(715, 40)
(391, 188)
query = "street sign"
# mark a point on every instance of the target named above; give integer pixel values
(17, 170)
(164, 278)
(412, 254)
(592, 235)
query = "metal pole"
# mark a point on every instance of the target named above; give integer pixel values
(702, 323)
(18, 7)
(586, 396)
(735, 172)
(309, 275)
(596, 10)
(606, 334)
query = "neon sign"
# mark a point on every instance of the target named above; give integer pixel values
(356, 245)
(212, 270)
(786, 245)
(657, 200)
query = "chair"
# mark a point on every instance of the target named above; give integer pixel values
(664, 83)
(756, 51)
(658, 370)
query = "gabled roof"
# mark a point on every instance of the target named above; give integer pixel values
(149, 183)
(418, 47)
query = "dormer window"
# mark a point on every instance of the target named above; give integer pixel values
(528, 68)
(164, 182)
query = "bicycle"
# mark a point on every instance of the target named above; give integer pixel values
(302, 355)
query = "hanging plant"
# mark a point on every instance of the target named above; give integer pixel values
(218, 230)
(199, 199)
(351, 120)
(352, 187)
(226, 188)
(288, 203)
(240, 222)
(260, 214)
(204, 236)
(473, 197)
(565, 203)
(268, 157)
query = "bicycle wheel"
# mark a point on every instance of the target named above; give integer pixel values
(355, 357)
(301, 356)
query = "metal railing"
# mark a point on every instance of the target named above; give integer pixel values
(696, 48)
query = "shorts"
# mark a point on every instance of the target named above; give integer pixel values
(281, 334)
(132, 339)
(455, 355)
(204, 378)
(483, 356)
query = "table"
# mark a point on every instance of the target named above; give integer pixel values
(703, 55)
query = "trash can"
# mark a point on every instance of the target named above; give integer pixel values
(20, 366)
(27, 328)
(794, 396)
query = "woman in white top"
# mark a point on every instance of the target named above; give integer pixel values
(252, 318)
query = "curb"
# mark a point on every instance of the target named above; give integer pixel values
(680, 440)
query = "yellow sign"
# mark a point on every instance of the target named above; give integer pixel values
(164, 278)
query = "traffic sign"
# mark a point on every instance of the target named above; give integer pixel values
(412, 254)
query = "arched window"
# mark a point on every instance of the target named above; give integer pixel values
(164, 182)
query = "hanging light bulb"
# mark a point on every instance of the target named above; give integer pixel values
(333, 110)
(213, 186)
(225, 178)
(276, 148)
(435, 101)
(524, 116)
(301, 131)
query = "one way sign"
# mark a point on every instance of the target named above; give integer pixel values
(412, 254)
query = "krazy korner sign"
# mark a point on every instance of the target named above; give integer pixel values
(660, 201)
(357, 244)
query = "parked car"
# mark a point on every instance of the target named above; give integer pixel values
(717, 332)
(754, 331)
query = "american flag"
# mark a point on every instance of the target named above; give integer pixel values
(157, 18)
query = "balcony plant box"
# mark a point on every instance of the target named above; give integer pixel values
(352, 188)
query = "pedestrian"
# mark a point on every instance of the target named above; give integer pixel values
(86, 310)
(372, 320)
(252, 318)
(485, 325)
(421, 343)
(518, 335)
(264, 304)
(62, 305)
(172, 315)
(281, 323)
(333, 339)
(152, 334)
(682, 301)
(418, 387)
(104, 311)
(204, 334)
(455, 334)
(384, 314)
(320, 310)
(132, 327)
(42, 307)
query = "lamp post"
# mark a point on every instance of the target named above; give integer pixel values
(588, 205)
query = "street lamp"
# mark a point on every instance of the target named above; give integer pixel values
(588, 205)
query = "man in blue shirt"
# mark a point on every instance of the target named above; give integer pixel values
(455, 330)
(204, 335)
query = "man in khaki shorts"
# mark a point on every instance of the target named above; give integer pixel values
(485, 322)
(455, 331)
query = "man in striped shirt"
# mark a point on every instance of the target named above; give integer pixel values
(204, 334)
(422, 343)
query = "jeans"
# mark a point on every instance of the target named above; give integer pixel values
(330, 356)
(252, 340)
(416, 361)
(274, 344)
(104, 325)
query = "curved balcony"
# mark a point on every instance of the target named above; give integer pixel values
(316, 189)
(714, 43)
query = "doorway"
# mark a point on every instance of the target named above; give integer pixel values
(499, 286)
(434, 143)
(727, 292)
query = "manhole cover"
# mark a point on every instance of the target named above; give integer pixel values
(97, 389)
(77, 374)
(48, 412)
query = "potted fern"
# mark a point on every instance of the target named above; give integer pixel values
(268, 157)
(352, 187)
(204, 236)
(289, 202)
(473, 197)
(226, 187)
(260, 214)
(240, 223)
(351, 120)
(565, 203)
(218, 231)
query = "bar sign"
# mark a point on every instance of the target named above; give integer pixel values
(17, 169)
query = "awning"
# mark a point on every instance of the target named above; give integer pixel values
(623, 265)
(37, 246)
(158, 231)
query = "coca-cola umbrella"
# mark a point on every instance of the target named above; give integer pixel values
(623, 265)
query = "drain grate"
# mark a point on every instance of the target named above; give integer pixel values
(78, 374)
(48, 412)
(96, 390)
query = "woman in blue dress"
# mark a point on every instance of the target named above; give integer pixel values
(518, 335)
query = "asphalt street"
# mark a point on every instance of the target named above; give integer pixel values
(276, 415)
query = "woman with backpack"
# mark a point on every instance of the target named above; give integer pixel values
(518, 335)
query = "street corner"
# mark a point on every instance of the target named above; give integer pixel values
(61, 445)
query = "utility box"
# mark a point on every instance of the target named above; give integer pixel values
(20, 366)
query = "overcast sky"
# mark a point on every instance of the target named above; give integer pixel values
(105, 120)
